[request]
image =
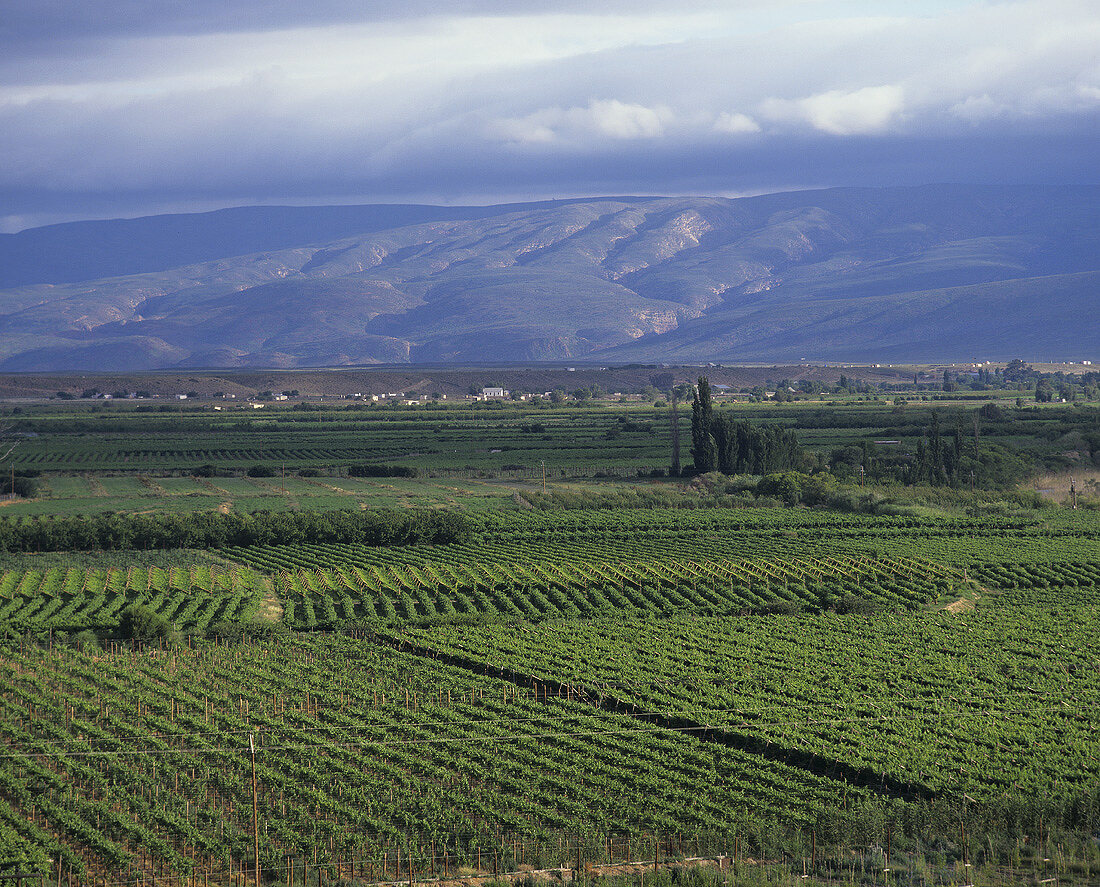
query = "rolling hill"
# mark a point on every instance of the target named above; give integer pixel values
(932, 273)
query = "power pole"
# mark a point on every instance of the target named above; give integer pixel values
(255, 813)
(862, 471)
(1072, 489)
(543, 475)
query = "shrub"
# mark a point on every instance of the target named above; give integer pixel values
(383, 471)
(141, 625)
(24, 487)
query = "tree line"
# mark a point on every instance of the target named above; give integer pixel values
(720, 442)
(105, 532)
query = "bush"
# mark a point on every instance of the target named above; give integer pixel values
(383, 471)
(788, 486)
(990, 412)
(261, 471)
(206, 529)
(25, 487)
(142, 625)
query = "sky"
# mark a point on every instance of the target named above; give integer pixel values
(132, 107)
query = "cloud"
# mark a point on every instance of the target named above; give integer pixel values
(735, 123)
(608, 118)
(507, 100)
(62, 20)
(871, 109)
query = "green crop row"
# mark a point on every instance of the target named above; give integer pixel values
(357, 747)
(75, 598)
(533, 591)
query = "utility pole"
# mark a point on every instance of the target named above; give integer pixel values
(862, 471)
(1072, 489)
(255, 813)
(543, 475)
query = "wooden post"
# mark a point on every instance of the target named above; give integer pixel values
(255, 812)
(889, 835)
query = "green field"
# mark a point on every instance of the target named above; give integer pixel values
(814, 676)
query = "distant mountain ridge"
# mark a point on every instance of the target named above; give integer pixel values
(931, 273)
(75, 251)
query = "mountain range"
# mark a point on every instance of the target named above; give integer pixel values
(933, 273)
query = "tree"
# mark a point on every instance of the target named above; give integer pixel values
(704, 452)
(1017, 371)
(724, 432)
(936, 469)
(674, 468)
(682, 391)
(919, 469)
(949, 384)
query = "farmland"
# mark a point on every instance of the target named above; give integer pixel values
(441, 665)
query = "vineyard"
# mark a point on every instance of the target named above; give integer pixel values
(75, 598)
(436, 591)
(448, 439)
(1003, 703)
(378, 695)
(709, 534)
(142, 767)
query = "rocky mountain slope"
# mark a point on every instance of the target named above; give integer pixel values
(932, 273)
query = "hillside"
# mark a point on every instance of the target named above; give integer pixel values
(932, 273)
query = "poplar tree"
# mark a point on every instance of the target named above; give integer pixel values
(703, 449)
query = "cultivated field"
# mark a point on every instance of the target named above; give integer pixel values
(465, 673)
